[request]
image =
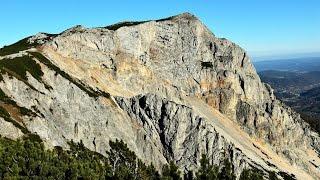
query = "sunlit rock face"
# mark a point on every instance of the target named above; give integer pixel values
(169, 88)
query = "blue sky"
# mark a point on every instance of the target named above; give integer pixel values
(262, 27)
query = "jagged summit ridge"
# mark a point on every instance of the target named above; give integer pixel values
(169, 88)
(79, 28)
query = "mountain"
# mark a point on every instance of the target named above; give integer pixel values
(169, 88)
(303, 64)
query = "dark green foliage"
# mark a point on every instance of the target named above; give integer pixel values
(207, 171)
(21, 46)
(65, 75)
(122, 160)
(6, 116)
(251, 174)
(119, 25)
(147, 172)
(3, 112)
(5, 99)
(84, 163)
(25, 111)
(16, 47)
(187, 16)
(27, 159)
(20, 65)
(125, 165)
(226, 171)
(170, 172)
(33, 138)
(287, 176)
(273, 176)
(18, 68)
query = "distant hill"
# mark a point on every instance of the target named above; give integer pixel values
(300, 90)
(295, 82)
(308, 104)
(310, 101)
(295, 65)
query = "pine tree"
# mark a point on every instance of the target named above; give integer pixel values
(273, 176)
(251, 174)
(226, 172)
(170, 172)
(207, 171)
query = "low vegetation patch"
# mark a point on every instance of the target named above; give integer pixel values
(6, 116)
(19, 67)
(21, 46)
(16, 47)
(23, 111)
(91, 92)
(28, 159)
(122, 24)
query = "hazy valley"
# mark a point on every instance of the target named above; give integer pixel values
(296, 83)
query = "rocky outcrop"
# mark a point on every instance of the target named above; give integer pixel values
(169, 88)
(183, 135)
(8, 130)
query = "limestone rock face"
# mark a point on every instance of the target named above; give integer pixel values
(8, 130)
(182, 133)
(169, 88)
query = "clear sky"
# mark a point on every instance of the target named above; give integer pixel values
(262, 27)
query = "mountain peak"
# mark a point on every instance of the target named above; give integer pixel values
(182, 16)
(185, 15)
(160, 87)
(76, 28)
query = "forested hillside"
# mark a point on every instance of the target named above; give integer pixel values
(28, 159)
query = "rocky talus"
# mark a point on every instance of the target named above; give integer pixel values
(169, 88)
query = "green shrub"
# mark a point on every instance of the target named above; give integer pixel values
(16, 47)
(207, 170)
(171, 172)
(19, 67)
(251, 174)
(28, 159)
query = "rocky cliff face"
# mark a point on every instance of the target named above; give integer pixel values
(169, 88)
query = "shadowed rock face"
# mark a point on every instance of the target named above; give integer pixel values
(169, 88)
